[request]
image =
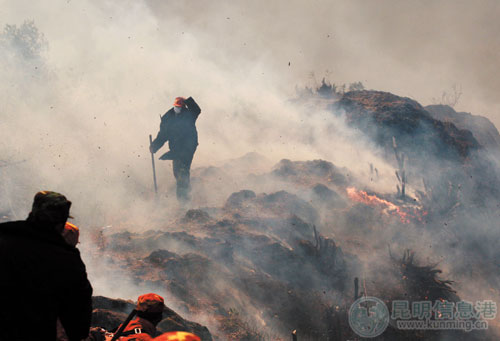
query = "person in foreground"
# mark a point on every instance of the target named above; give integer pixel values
(43, 277)
(149, 312)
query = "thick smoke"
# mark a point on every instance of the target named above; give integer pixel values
(80, 101)
(79, 111)
(416, 49)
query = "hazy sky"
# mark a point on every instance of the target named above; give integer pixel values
(412, 48)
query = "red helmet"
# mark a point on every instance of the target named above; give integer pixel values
(151, 303)
(179, 102)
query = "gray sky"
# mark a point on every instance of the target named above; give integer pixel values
(412, 48)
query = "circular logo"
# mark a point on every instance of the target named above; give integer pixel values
(368, 316)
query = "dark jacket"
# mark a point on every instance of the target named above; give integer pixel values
(42, 278)
(179, 130)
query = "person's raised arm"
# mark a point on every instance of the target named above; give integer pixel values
(193, 106)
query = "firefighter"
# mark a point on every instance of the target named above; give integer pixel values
(149, 310)
(149, 313)
(71, 234)
(37, 265)
(178, 127)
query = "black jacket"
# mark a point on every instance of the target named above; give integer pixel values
(179, 130)
(41, 278)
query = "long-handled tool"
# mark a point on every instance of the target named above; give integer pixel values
(153, 162)
(124, 324)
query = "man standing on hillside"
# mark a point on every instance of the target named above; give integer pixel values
(43, 277)
(178, 127)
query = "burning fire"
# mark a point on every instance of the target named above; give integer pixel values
(387, 206)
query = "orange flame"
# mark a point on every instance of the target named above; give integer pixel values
(387, 206)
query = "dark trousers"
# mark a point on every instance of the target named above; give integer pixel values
(182, 168)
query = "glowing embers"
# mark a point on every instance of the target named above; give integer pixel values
(405, 214)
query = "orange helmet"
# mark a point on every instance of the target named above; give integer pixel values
(179, 102)
(71, 234)
(152, 303)
(177, 336)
